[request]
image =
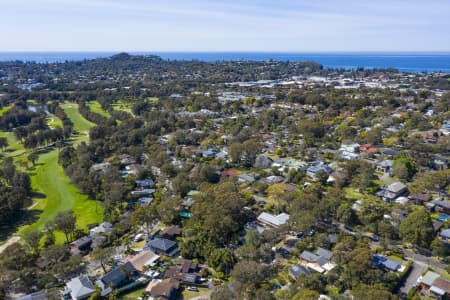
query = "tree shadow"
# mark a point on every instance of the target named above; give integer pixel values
(38, 195)
(27, 217)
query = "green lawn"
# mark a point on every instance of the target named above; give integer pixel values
(59, 194)
(14, 146)
(95, 107)
(53, 121)
(445, 275)
(54, 191)
(205, 293)
(133, 295)
(5, 109)
(80, 124)
(353, 193)
(396, 259)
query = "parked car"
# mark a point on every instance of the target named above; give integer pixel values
(139, 237)
(192, 288)
(375, 238)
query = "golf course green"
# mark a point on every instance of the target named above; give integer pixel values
(54, 191)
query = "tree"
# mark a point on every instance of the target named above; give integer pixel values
(346, 214)
(33, 156)
(97, 295)
(144, 215)
(217, 216)
(66, 222)
(372, 210)
(439, 248)
(223, 293)
(306, 294)
(417, 228)
(222, 259)
(209, 174)
(32, 238)
(377, 292)
(404, 168)
(235, 152)
(3, 143)
(385, 230)
(248, 277)
(103, 255)
(168, 208)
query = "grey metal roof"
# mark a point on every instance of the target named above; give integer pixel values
(324, 253)
(161, 244)
(445, 233)
(80, 287)
(396, 187)
(309, 256)
(391, 265)
(118, 275)
(298, 270)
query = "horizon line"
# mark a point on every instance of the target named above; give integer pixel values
(231, 52)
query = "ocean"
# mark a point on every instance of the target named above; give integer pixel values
(405, 62)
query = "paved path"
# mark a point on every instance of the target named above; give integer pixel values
(9, 242)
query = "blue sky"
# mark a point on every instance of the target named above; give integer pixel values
(199, 25)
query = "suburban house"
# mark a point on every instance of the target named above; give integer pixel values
(143, 192)
(297, 165)
(143, 259)
(126, 159)
(442, 206)
(440, 163)
(145, 201)
(367, 149)
(170, 233)
(79, 288)
(249, 178)
(350, 151)
(319, 261)
(274, 179)
(82, 246)
(298, 270)
(145, 184)
(382, 262)
(116, 278)
(166, 289)
(163, 246)
(263, 162)
(318, 167)
(105, 228)
(186, 271)
(420, 199)
(269, 220)
(385, 166)
(392, 191)
(445, 235)
(433, 285)
(101, 167)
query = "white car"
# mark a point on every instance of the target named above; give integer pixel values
(139, 237)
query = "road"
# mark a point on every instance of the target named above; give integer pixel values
(424, 259)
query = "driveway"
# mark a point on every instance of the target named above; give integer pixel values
(413, 275)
